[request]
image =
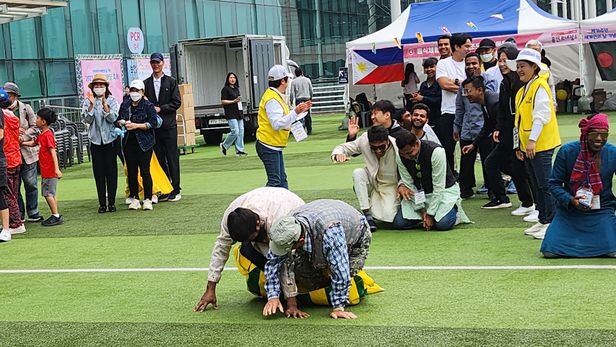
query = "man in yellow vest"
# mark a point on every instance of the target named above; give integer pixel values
(275, 119)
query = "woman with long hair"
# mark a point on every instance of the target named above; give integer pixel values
(409, 85)
(232, 104)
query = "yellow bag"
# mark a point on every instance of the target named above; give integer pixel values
(160, 182)
(361, 284)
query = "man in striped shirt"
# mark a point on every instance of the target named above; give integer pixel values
(322, 243)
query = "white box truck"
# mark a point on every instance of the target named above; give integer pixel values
(204, 63)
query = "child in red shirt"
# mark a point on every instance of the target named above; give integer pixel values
(48, 163)
(13, 163)
(5, 234)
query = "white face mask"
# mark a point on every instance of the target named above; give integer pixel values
(486, 58)
(135, 96)
(13, 105)
(100, 91)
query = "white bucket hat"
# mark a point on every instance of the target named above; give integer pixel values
(529, 55)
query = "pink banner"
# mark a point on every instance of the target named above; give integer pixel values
(556, 38)
(112, 68)
(599, 33)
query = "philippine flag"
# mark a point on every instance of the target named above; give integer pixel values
(384, 65)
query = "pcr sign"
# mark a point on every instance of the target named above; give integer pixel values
(135, 40)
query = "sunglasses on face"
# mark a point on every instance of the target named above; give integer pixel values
(596, 135)
(381, 148)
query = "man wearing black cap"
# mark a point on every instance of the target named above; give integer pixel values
(487, 50)
(163, 92)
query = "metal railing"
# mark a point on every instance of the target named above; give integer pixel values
(72, 114)
(329, 98)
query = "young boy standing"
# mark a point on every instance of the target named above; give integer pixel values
(48, 162)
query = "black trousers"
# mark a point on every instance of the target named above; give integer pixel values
(444, 132)
(307, 121)
(105, 168)
(251, 253)
(138, 163)
(166, 149)
(467, 166)
(502, 159)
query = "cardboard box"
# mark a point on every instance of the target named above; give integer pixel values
(187, 115)
(188, 100)
(185, 88)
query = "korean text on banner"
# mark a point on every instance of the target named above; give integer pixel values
(139, 68)
(112, 68)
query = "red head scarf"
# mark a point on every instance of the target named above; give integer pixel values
(585, 171)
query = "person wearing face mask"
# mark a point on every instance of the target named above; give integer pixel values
(581, 182)
(247, 220)
(28, 173)
(375, 184)
(139, 117)
(487, 53)
(536, 133)
(100, 111)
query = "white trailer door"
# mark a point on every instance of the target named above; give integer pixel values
(262, 58)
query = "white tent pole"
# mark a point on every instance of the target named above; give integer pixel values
(554, 7)
(608, 5)
(581, 46)
(565, 10)
(396, 9)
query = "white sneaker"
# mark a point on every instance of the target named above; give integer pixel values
(539, 235)
(523, 211)
(155, 199)
(129, 201)
(174, 198)
(5, 235)
(134, 205)
(533, 217)
(534, 229)
(19, 230)
(147, 205)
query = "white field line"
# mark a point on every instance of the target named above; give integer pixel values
(376, 268)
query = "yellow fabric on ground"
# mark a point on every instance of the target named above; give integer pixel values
(160, 182)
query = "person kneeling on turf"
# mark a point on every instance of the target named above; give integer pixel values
(247, 220)
(429, 191)
(324, 242)
(374, 185)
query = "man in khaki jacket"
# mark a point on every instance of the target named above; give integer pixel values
(376, 184)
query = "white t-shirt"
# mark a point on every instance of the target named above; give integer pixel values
(451, 69)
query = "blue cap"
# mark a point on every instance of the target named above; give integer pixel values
(157, 56)
(4, 96)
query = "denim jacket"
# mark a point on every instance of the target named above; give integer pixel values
(102, 127)
(469, 118)
(145, 113)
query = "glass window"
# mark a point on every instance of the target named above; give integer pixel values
(175, 14)
(192, 19)
(83, 30)
(4, 76)
(130, 18)
(154, 26)
(261, 19)
(108, 26)
(24, 44)
(274, 24)
(211, 17)
(60, 79)
(227, 13)
(28, 78)
(2, 50)
(245, 19)
(54, 34)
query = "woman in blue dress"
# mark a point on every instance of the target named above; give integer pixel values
(581, 184)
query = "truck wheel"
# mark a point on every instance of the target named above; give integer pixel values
(212, 138)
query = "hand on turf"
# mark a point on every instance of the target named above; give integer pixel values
(428, 221)
(405, 192)
(343, 315)
(271, 307)
(340, 158)
(208, 298)
(353, 126)
(294, 312)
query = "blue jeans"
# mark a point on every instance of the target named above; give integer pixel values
(446, 223)
(236, 135)
(539, 170)
(28, 176)
(274, 166)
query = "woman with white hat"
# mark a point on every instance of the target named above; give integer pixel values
(100, 111)
(535, 134)
(139, 117)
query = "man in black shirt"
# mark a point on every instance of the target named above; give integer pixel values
(430, 91)
(163, 92)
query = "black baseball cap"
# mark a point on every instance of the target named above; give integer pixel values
(157, 57)
(486, 44)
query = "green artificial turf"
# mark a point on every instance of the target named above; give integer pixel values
(426, 307)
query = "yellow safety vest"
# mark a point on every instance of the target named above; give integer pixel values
(265, 132)
(525, 102)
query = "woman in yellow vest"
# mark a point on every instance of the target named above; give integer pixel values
(536, 134)
(275, 120)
